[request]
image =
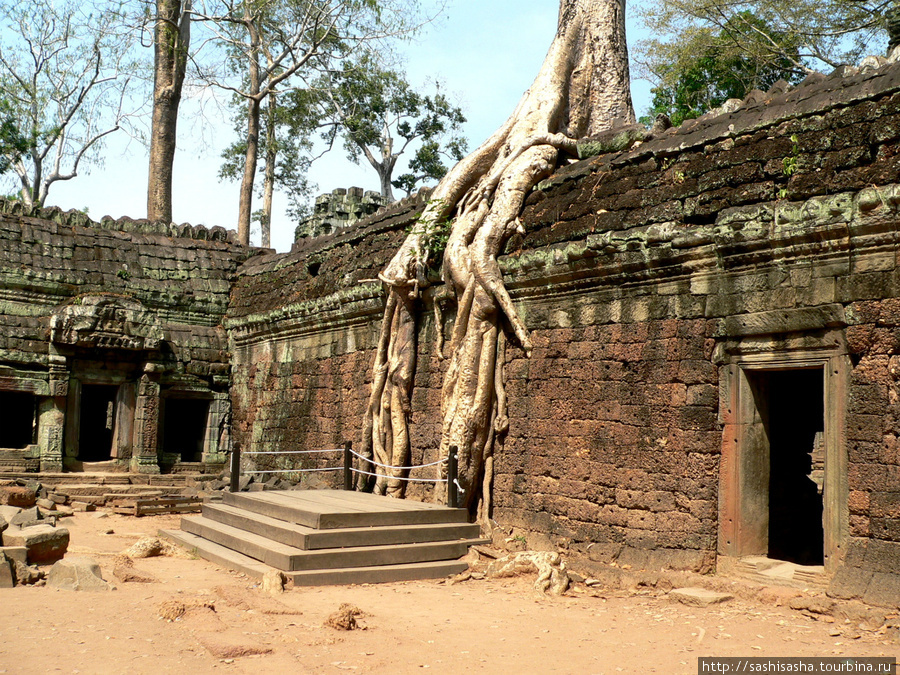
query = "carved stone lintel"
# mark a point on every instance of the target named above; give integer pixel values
(105, 322)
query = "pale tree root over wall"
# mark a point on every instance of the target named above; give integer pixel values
(582, 89)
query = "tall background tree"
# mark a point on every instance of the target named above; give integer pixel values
(265, 44)
(381, 117)
(171, 42)
(65, 73)
(287, 152)
(582, 88)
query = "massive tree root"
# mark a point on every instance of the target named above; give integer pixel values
(582, 89)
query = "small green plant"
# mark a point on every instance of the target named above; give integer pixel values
(791, 162)
(782, 193)
(435, 233)
(679, 177)
(124, 274)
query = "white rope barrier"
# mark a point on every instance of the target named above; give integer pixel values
(398, 468)
(337, 468)
(290, 452)
(410, 480)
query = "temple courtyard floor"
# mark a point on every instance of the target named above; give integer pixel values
(197, 618)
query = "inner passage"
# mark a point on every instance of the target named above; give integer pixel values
(184, 427)
(796, 452)
(17, 428)
(98, 416)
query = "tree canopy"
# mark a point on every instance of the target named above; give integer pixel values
(707, 70)
(806, 34)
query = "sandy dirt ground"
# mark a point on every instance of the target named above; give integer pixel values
(228, 625)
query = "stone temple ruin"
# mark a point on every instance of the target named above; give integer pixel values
(715, 310)
(338, 209)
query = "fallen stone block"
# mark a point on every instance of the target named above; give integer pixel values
(7, 573)
(46, 504)
(7, 513)
(15, 553)
(57, 498)
(45, 543)
(16, 495)
(64, 511)
(77, 573)
(27, 517)
(82, 506)
(699, 597)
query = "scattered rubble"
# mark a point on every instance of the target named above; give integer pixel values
(345, 618)
(151, 547)
(124, 571)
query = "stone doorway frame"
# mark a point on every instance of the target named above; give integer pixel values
(743, 487)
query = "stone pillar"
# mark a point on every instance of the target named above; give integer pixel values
(217, 443)
(52, 416)
(145, 457)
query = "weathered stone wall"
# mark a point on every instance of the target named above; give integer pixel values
(661, 284)
(124, 303)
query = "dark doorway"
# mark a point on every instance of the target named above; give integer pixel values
(18, 410)
(98, 420)
(794, 419)
(184, 427)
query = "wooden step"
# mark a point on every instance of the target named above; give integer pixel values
(289, 558)
(306, 538)
(331, 509)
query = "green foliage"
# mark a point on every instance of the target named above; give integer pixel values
(790, 163)
(435, 233)
(12, 142)
(705, 69)
(295, 123)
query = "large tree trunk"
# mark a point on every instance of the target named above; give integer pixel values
(171, 40)
(245, 206)
(265, 222)
(581, 89)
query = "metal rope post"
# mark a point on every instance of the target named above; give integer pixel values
(348, 474)
(452, 494)
(235, 467)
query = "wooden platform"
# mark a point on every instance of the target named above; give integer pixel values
(319, 537)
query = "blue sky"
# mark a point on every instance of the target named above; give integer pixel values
(485, 53)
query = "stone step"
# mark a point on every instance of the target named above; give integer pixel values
(438, 569)
(238, 562)
(330, 509)
(215, 553)
(307, 538)
(291, 559)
